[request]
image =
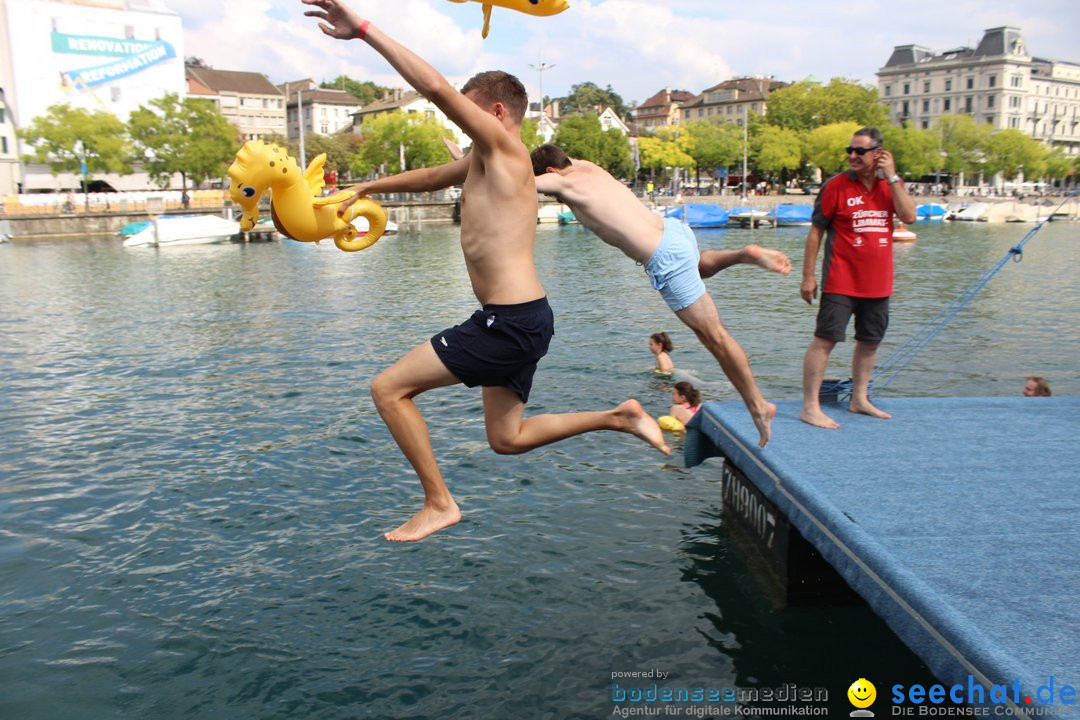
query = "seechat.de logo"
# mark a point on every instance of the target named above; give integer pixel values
(862, 694)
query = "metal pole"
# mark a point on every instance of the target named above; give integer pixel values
(86, 185)
(300, 118)
(744, 123)
(540, 68)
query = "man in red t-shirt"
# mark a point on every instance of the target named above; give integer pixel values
(854, 210)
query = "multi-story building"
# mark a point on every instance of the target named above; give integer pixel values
(326, 110)
(409, 102)
(111, 55)
(998, 83)
(661, 110)
(247, 99)
(731, 101)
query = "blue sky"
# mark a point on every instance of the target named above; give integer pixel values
(636, 47)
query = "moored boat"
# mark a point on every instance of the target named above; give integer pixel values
(747, 216)
(699, 215)
(185, 230)
(788, 214)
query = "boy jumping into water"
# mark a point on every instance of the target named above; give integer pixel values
(499, 346)
(669, 252)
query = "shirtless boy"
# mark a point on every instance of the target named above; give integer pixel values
(669, 252)
(499, 346)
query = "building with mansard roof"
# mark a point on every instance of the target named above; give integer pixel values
(998, 82)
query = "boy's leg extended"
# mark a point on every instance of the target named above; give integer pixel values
(393, 391)
(713, 261)
(702, 317)
(510, 433)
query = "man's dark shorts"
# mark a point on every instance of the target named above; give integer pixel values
(834, 312)
(498, 346)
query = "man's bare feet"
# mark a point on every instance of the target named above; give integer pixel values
(772, 260)
(763, 423)
(867, 408)
(639, 423)
(818, 419)
(427, 521)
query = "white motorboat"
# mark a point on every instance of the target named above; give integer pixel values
(748, 216)
(973, 212)
(361, 224)
(185, 230)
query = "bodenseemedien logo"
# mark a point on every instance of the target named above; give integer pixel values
(862, 694)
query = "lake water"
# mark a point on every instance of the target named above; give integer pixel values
(194, 480)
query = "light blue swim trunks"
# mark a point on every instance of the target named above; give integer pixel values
(673, 268)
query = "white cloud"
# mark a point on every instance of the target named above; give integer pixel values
(636, 47)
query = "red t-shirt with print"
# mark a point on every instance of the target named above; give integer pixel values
(858, 226)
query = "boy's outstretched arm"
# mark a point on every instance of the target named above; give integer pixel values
(418, 180)
(344, 24)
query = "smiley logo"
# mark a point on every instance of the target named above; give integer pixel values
(862, 693)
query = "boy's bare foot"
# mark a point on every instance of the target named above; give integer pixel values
(639, 423)
(427, 521)
(866, 408)
(763, 423)
(818, 419)
(772, 260)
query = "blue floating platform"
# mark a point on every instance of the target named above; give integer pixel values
(958, 521)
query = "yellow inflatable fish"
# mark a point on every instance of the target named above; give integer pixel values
(529, 7)
(297, 210)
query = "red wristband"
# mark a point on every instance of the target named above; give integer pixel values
(363, 29)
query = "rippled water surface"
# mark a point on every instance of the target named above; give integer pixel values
(194, 481)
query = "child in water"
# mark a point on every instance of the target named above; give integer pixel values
(685, 401)
(660, 345)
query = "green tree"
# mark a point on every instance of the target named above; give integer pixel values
(964, 143)
(339, 148)
(711, 145)
(825, 146)
(615, 154)
(806, 105)
(190, 137)
(584, 97)
(385, 135)
(1011, 152)
(776, 150)
(1059, 165)
(581, 136)
(664, 149)
(914, 150)
(365, 91)
(64, 136)
(530, 134)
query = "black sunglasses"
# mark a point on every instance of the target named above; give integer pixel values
(859, 151)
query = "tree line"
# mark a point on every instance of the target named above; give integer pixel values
(807, 126)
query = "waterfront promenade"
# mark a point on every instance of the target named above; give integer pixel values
(46, 215)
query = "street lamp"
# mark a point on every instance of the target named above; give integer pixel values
(540, 68)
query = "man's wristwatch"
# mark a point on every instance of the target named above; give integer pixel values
(894, 179)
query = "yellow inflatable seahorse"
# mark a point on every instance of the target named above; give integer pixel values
(297, 211)
(530, 7)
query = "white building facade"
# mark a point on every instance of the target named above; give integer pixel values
(998, 83)
(111, 55)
